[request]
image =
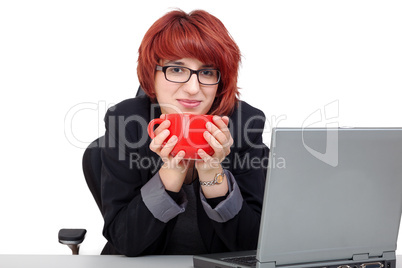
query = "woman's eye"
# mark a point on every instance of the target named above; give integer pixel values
(207, 73)
(175, 70)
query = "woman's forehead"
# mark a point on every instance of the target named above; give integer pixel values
(186, 61)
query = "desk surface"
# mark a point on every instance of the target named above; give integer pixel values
(93, 261)
(97, 261)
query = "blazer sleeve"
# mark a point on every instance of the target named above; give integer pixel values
(129, 225)
(248, 163)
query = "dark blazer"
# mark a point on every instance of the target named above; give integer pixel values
(130, 228)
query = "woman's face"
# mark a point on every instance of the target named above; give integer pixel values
(190, 97)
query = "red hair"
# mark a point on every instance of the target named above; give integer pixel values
(197, 35)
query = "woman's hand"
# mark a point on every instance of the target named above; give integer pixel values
(174, 169)
(220, 139)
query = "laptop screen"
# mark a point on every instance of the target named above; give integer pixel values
(331, 194)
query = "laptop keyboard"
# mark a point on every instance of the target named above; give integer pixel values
(243, 260)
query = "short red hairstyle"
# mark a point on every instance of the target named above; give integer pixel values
(198, 35)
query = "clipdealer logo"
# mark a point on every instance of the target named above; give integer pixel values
(329, 115)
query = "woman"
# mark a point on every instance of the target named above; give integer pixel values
(154, 203)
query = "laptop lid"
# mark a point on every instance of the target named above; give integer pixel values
(331, 194)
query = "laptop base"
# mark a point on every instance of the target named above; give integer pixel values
(235, 261)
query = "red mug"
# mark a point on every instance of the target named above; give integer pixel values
(189, 129)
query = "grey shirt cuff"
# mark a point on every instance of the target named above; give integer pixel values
(158, 201)
(228, 208)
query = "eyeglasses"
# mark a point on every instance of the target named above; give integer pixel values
(180, 74)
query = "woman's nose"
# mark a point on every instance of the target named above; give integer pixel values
(192, 86)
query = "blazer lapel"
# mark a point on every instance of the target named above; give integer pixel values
(151, 161)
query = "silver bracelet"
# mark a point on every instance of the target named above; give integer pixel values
(217, 180)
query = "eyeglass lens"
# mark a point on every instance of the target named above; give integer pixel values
(182, 74)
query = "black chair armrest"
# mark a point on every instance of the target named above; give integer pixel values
(72, 238)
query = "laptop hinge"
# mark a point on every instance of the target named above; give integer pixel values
(361, 257)
(389, 255)
(266, 265)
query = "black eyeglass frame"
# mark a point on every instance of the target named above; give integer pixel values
(164, 68)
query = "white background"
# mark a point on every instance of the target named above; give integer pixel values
(62, 63)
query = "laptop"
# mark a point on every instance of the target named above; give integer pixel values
(333, 198)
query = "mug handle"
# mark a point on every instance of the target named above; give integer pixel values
(151, 125)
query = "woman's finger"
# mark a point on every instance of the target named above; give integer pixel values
(220, 131)
(225, 119)
(178, 158)
(220, 151)
(164, 125)
(208, 162)
(157, 142)
(168, 147)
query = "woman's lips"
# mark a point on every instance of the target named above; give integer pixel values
(189, 103)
